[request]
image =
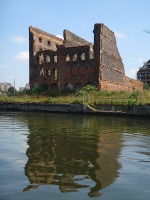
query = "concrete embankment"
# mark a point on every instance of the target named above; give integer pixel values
(78, 108)
(45, 107)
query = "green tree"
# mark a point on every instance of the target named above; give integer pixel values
(86, 91)
(12, 90)
(40, 89)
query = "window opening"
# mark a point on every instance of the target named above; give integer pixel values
(68, 57)
(42, 72)
(75, 57)
(55, 58)
(47, 58)
(55, 74)
(41, 59)
(40, 40)
(82, 56)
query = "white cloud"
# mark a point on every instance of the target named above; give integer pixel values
(119, 35)
(23, 55)
(132, 73)
(60, 36)
(4, 66)
(18, 39)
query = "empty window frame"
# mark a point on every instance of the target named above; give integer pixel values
(41, 59)
(55, 59)
(55, 74)
(75, 57)
(67, 57)
(42, 72)
(40, 40)
(82, 56)
(49, 43)
(48, 59)
(48, 72)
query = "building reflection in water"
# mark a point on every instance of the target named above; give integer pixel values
(77, 152)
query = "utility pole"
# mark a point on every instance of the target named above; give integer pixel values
(14, 85)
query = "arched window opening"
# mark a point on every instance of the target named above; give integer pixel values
(89, 83)
(48, 72)
(82, 56)
(41, 59)
(55, 59)
(78, 86)
(54, 87)
(47, 59)
(55, 74)
(75, 57)
(67, 57)
(68, 87)
(42, 72)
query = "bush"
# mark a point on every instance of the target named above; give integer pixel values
(146, 86)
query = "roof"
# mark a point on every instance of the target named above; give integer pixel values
(145, 66)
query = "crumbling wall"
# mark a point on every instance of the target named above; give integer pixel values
(130, 85)
(41, 40)
(109, 62)
(74, 62)
(133, 84)
(71, 40)
(79, 68)
(39, 43)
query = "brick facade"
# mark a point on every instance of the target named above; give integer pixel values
(73, 62)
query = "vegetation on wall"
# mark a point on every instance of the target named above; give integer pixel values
(146, 86)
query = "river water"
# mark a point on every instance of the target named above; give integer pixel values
(65, 156)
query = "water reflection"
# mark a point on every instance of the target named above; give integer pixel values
(69, 153)
(73, 152)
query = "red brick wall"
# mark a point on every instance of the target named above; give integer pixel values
(72, 60)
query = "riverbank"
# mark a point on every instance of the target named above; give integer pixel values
(141, 110)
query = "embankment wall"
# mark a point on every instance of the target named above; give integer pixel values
(78, 108)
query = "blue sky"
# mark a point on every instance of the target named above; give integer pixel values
(127, 18)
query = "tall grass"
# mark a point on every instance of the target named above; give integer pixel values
(100, 97)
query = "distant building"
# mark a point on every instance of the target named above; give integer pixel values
(72, 62)
(27, 87)
(144, 73)
(21, 89)
(4, 87)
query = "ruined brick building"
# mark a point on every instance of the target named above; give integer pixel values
(73, 62)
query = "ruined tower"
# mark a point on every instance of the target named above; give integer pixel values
(107, 59)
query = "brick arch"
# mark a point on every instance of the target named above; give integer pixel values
(78, 86)
(68, 87)
(90, 83)
(54, 87)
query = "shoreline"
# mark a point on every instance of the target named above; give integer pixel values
(114, 110)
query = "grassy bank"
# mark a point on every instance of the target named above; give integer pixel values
(92, 97)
